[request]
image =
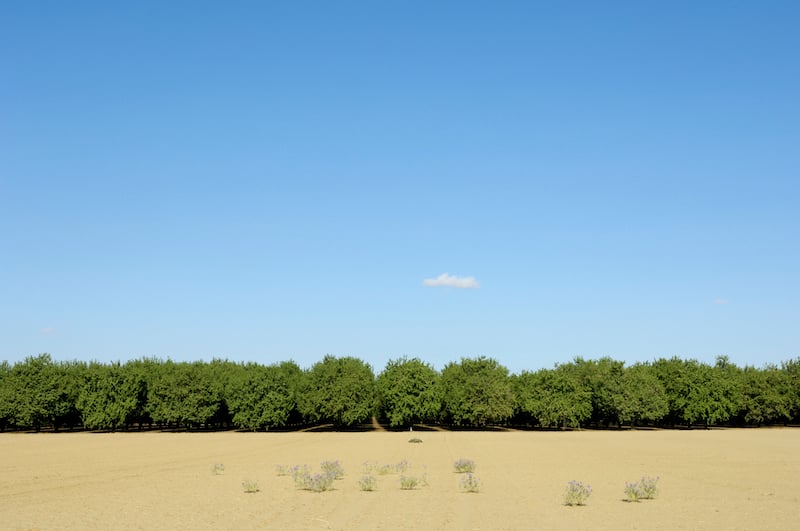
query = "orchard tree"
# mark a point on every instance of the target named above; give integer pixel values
(183, 394)
(338, 390)
(295, 376)
(555, 397)
(766, 396)
(697, 393)
(141, 374)
(603, 378)
(110, 397)
(641, 397)
(680, 380)
(6, 396)
(222, 374)
(260, 397)
(714, 400)
(791, 369)
(43, 392)
(407, 392)
(476, 392)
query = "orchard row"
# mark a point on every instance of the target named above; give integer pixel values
(344, 391)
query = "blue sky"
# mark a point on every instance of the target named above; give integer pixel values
(271, 181)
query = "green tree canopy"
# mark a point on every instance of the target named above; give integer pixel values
(7, 406)
(338, 390)
(260, 397)
(44, 393)
(555, 397)
(603, 378)
(407, 392)
(641, 396)
(476, 392)
(111, 396)
(183, 394)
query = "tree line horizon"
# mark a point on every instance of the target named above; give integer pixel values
(345, 391)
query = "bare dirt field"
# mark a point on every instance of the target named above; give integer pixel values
(715, 479)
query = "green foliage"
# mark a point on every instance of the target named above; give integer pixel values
(111, 396)
(183, 394)
(697, 393)
(603, 379)
(296, 378)
(766, 395)
(42, 392)
(39, 392)
(260, 397)
(407, 392)
(680, 381)
(476, 392)
(554, 397)
(7, 396)
(338, 390)
(641, 397)
(791, 369)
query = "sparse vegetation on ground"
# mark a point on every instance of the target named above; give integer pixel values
(250, 486)
(368, 483)
(577, 493)
(644, 489)
(470, 483)
(462, 466)
(747, 468)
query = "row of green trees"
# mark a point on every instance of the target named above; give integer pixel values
(474, 392)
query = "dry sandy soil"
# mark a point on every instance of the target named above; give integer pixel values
(717, 479)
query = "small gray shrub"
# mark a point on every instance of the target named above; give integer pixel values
(368, 483)
(463, 466)
(320, 483)
(577, 493)
(632, 492)
(250, 486)
(333, 469)
(644, 489)
(301, 476)
(370, 467)
(305, 480)
(470, 483)
(648, 486)
(409, 482)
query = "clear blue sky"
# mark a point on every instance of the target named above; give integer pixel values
(271, 181)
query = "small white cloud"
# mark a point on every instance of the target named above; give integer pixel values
(721, 301)
(452, 281)
(47, 331)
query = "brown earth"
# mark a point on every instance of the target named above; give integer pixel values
(715, 479)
